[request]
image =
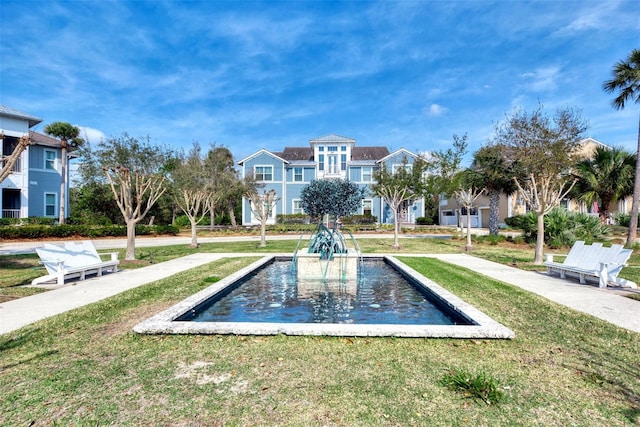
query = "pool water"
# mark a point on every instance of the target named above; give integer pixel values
(273, 294)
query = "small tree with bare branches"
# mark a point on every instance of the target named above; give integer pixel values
(262, 203)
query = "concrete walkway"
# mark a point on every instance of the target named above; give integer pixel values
(605, 304)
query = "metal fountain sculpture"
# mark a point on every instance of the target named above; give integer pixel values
(329, 255)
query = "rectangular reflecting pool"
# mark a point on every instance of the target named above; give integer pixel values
(266, 298)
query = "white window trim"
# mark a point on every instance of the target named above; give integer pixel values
(395, 167)
(370, 206)
(54, 161)
(370, 174)
(293, 206)
(301, 174)
(263, 166)
(55, 205)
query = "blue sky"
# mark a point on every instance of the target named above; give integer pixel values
(251, 75)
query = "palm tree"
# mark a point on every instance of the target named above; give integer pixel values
(626, 82)
(492, 164)
(68, 135)
(605, 178)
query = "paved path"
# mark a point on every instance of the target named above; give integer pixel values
(603, 303)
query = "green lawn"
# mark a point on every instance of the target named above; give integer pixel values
(86, 367)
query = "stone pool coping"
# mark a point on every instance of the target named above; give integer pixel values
(483, 326)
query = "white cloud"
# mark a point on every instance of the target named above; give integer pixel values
(542, 79)
(91, 135)
(436, 110)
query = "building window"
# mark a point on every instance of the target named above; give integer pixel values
(332, 148)
(367, 174)
(343, 162)
(367, 207)
(297, 207)
(297, 175)
(321, 162)
(50, 204)
(264, 173)
(343, 148)
(396, 168)
(321, 148)
(49, 160)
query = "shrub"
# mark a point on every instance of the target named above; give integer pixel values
(480, 387)
(292, 219)
(424, 220)
(561, 227)
(359, 219)
(66, 230)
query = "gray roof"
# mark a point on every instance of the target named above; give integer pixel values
(12, 112)
(369, 153)
(40, 139)
(333, 138)
(296, 153)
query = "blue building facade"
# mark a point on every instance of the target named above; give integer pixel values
(288, 171)
(33, 187)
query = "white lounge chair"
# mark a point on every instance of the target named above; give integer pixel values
(593, 262)
(73, 260)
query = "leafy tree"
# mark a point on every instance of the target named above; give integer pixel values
(335, 197)
(443, 168)
(192, 189)
(262, 202)
(9, 161)
(69, 140)
(626, 82)
(498, 173)
(225, 183)
(471, 186)
(92, 204)
(399, 188)
(543, 149)
(136, 174)
(605, 178)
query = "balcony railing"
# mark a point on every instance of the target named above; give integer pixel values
(17, 166)
(10, 213)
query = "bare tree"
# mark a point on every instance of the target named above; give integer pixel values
(193, 192)
(8, 162)
(544, 151)
(136, 173)
(262, 202)
(471, 187)
(398, 188)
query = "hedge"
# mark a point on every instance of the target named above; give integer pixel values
(65, 230)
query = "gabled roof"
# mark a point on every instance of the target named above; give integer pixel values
(47, 141)
(11, 112)
(590, 140)
(332, 138)
(262, 151)
(402, 151)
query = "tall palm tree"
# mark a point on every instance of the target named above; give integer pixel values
(605, 178)
(69, 139)
(492, 163)
(626, 82)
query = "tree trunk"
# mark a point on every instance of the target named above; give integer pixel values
(494, 212)
(539, 241)
(633, 217)
(468, 246)
(263, 234)
(232, 215)
(396, 228)
(63, 184)
(194, 236)
(131, 240)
